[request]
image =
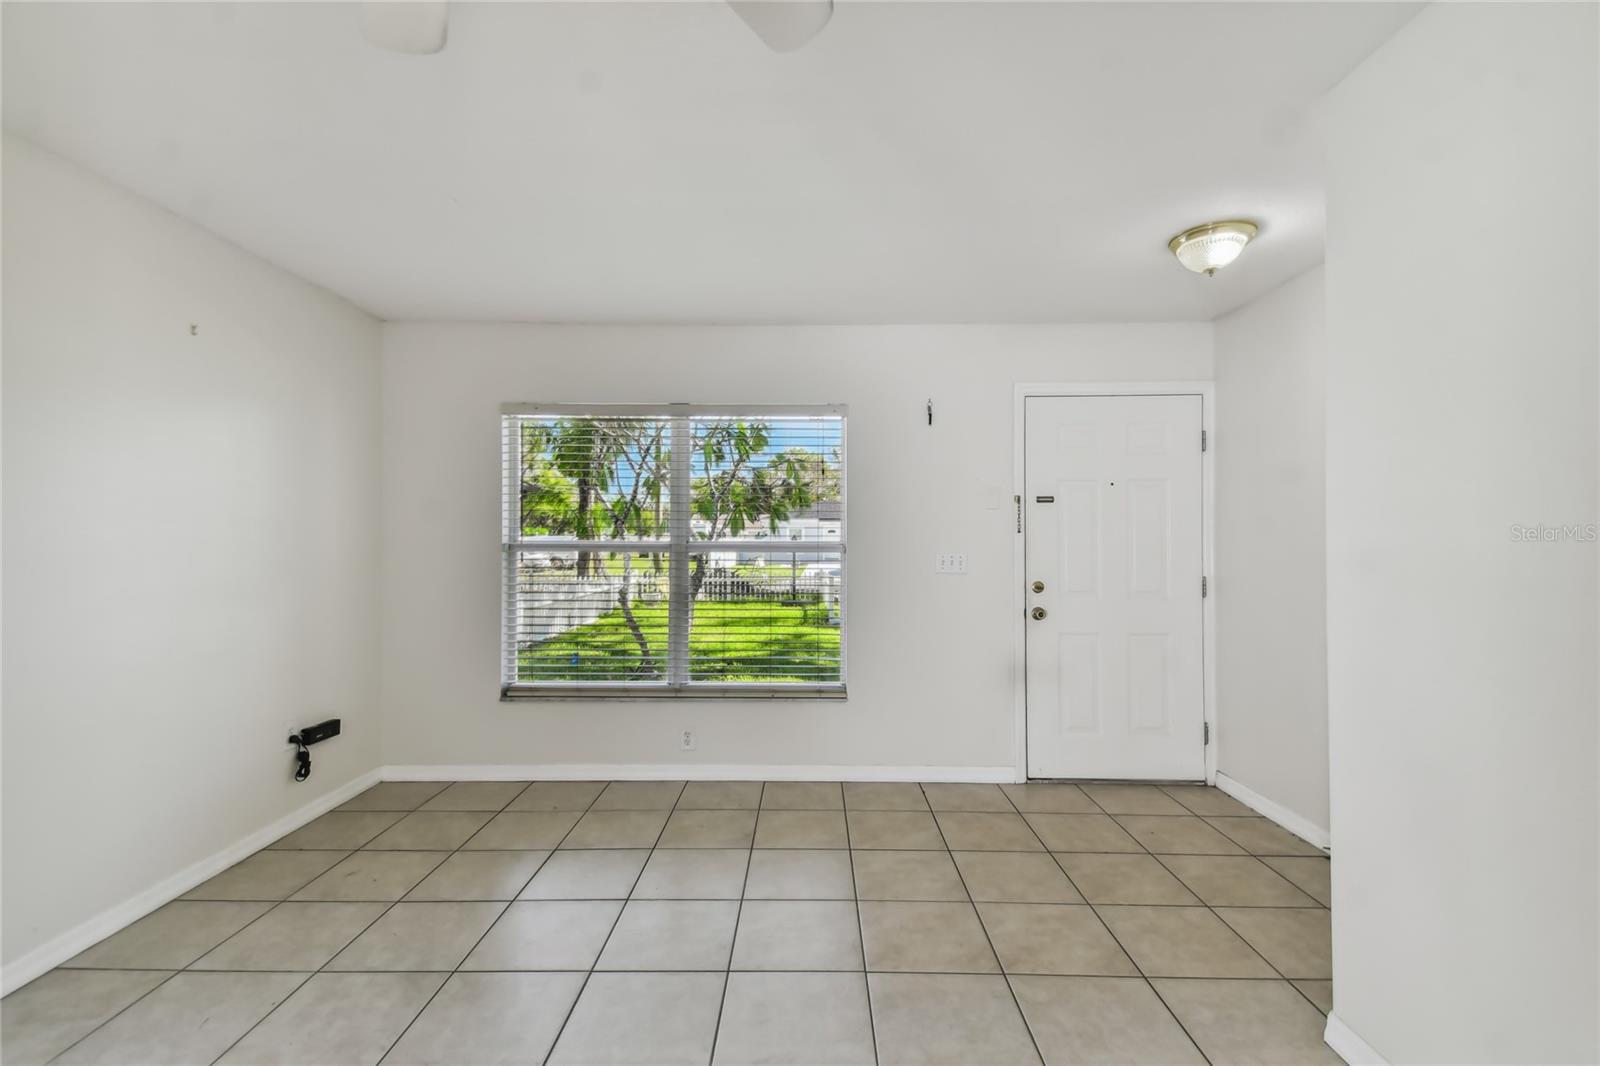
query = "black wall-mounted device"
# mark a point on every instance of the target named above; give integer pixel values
(302, 741)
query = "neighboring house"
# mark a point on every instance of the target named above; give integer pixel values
(822, 521)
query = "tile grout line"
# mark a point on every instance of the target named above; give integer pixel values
(458, 849)
(556, 1039)
(503, 910)
(861, 928)
(738, 847)
(1314, 905)
(188, 968)
(376, 919)
(159, 984)
(720, 899)
(1109, 931)
(999, 966)
(1229, 925)
(1246, 853)
(802, 969)
(1278, 975)
(738, 915)
(275, 904)
(845, 811)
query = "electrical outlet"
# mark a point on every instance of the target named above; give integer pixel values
(950, 563)
(686, 740)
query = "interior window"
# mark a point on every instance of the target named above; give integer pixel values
(675, 550)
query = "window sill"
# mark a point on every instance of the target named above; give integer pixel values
(615, 693)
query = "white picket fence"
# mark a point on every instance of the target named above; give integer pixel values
(733, 587)
(549, 604)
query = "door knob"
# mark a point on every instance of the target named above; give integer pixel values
(1038, 613)
(1038, 586)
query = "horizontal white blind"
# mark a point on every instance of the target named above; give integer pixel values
(673, 550)
(588, 478)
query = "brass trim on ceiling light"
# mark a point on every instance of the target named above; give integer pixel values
(1249, 229)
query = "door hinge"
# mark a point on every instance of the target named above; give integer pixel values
(1208, 733)
(1018, 500)
(1202, 440)
(1205, 587)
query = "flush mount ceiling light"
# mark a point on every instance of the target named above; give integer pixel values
(784, 25)
(1205, 249)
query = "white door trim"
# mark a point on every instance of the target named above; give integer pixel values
(1206, 390)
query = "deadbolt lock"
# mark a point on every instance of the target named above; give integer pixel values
(1038, 586)
(1038, 614)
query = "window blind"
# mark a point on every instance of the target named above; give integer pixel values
(674, 550)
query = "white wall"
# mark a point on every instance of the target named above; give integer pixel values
(190, 544)
(1462, 281)
(931, 657)
(1272, 655)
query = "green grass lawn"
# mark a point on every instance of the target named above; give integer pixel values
(613, 565)
(740, 641)
(642, 564)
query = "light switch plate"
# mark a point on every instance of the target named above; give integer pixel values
(950, 563)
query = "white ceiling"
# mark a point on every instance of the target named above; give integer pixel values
(917, 162)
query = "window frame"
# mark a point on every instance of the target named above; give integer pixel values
(680, 546)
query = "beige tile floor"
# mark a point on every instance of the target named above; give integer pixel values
(726, 922)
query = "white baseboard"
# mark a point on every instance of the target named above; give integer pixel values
(686, 772)
(59, 949)
(1350, 1047)
(1294, 823)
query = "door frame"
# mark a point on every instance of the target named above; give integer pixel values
(1206, 390)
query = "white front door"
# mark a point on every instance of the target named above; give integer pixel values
(1112, 491)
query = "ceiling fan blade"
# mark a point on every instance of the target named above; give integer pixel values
(413, 27)
(784, 25)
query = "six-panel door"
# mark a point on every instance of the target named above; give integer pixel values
(1113, 500)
